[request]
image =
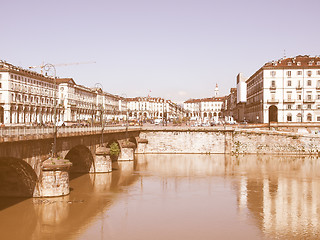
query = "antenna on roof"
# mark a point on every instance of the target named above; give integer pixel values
(284, 53)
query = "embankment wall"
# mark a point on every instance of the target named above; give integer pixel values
(230, 141)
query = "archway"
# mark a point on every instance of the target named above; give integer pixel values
(309, 117)
(273, 114)
(17, 178)
(299, 117)
(81, 158)
(289, 117)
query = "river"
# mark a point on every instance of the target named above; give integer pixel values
(178, 197)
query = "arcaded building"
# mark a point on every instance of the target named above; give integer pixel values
(28, 97)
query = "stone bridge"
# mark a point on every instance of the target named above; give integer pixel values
(28, 169)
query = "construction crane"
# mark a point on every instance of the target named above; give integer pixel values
(59, 64)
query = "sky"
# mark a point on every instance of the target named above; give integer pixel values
(175, 49)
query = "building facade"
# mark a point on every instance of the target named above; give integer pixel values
(239, 112)
(143, 108)
(192, 108)
(287, 90)
(229, 106)
(204, 109)
(27, 97)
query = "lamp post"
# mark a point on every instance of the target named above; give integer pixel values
(97, 87)
(124, 96)
(47, 68)
(162, 114)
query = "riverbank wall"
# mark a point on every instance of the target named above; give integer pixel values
(227, 141)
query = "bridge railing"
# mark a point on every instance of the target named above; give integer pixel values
(25, 131)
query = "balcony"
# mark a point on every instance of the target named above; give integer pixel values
(288, 101)
(272, 87)
(308, 100)
(272, 101)
(299, 88)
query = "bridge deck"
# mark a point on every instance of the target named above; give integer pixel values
(33, 133)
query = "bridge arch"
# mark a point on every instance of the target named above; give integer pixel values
(134, 140)
(81, 158)
(17, 178)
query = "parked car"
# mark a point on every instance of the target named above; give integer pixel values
(157, 121)
(60, 124)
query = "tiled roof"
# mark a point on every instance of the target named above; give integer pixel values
(65, 80)
(148, 99)
(212, 99)
(299, 61)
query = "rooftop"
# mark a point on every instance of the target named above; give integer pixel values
(300, 61)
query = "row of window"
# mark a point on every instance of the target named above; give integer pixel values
(211, 104)
(299, 117)
(299, 73)
(21, 88)
(299, 107)
(299, 96)
(31, 99)
(31, 81)
(310, 63)
(299, 85)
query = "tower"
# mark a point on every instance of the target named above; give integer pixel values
(216, 91)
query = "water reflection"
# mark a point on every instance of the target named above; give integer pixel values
(281, 192)
(64, 217)
(179, 197)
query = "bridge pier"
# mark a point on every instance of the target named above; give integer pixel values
(103, 162)
(127, 151)
(142, 144)
(54, 178)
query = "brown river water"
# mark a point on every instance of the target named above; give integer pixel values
(178, 197)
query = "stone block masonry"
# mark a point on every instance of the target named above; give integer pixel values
(183, 141)
(230, 141)
(54, 178)
(272, 142)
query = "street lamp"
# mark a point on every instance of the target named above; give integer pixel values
(47, 67)
(124, 96)
(97, 87)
